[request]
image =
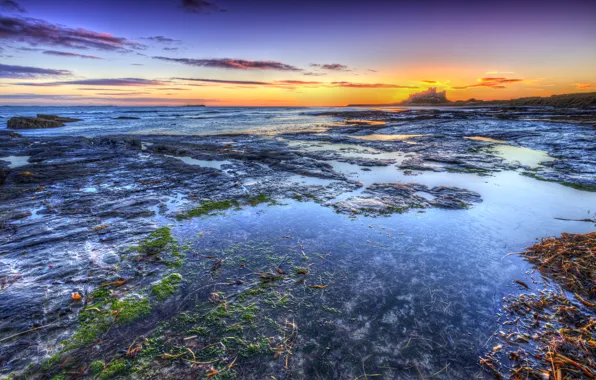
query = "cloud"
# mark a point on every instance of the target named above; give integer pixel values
(162, 39)
(234, 64)
(224, 81)
(314, 74)
(492, 82)
(586, 85)
(40, 32)
(288, 84)
(11, 6)
(370, 85)
(498, 72)
(331, 66)
(35, 84)
(123, 93)
(372, 71)
(499, 80)
(171, 89)
(67, 54)
(170, 49)
(429, 81)
(116, 100)
(137, 64)
(24, 72)
(134, 82)
(298, 82)
(199, 6)
(101, 89)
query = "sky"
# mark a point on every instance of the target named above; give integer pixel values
(291, 53)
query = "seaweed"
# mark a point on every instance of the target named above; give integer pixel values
(167, 286)
(552, 336)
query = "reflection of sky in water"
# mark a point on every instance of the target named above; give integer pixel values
(433, 279)
(376, 137)
(525, 156)
(419, 288)
(205, 163)
(482, 138)
(15, 161)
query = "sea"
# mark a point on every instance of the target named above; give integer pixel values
(103, 120)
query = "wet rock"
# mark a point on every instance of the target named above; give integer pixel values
(41, 121)
(389, 198)
(32, 123)
(8, 135)
(61, 119)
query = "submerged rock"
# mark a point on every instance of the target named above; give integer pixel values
(390, 198)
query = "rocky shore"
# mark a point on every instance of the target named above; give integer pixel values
(95, 203)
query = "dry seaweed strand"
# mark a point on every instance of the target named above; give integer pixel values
(551, 336)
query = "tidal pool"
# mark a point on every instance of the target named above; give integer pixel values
(205, 163)
(16, 161)
(404, 295)
(482, 138)
(377, 137)
(525, 156)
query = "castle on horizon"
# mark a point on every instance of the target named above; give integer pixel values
(429, 96)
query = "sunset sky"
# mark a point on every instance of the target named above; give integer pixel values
(290, 53)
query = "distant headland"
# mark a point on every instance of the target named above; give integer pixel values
(432, 97)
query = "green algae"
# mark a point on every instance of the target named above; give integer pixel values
(230, 325)
(574, 185)
(157, 242)
(97, 317)
(97, 366)
(261, 198)
(116, 368)
(131, 309)
(209, 207)
(167, 286)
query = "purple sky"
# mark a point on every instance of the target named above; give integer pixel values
(298, 52)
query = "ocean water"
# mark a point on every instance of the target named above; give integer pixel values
(174, 120)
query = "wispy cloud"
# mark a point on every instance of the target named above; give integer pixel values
(162, 39)
(496, 83)
(199, 6)
(233, 64)
(107, 99)
(11, 6)
(171, 89)
(24, 72)
(499, 72)
(298, 83)
(312, 74)
(101, 89)
(40, 32)
(331, 66)
(170, 49)
(429, 81)
(123, 93)
(586, 85)
(370, 85)
(133, 82)
(223, 81)
(68, 54)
